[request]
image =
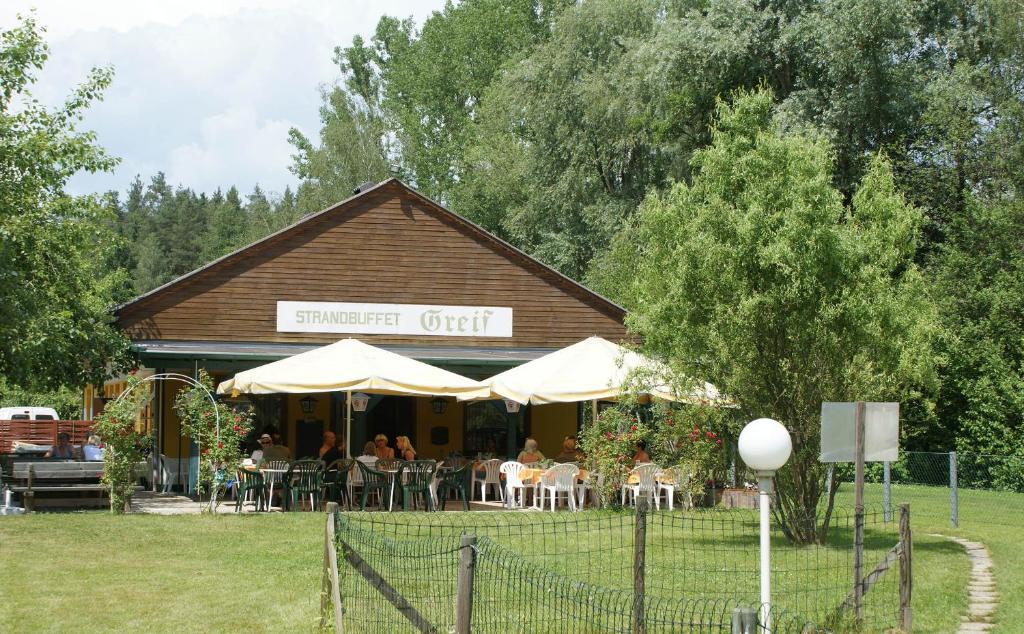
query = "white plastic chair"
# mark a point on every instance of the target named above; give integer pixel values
(666, 481)
(170, 473)
(492, 477)
(278, 467)
(591, 485)
(559, 479)
(645, 484)
(514, 483)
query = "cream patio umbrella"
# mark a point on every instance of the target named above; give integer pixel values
(591, 370)
(350, 365)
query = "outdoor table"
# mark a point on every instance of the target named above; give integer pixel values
(533, 475)
(663, 478)
(267, 471)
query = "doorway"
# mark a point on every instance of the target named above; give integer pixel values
(393, 416)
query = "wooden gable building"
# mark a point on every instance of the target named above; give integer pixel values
(340, 273)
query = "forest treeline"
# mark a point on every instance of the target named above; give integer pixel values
(551, 122)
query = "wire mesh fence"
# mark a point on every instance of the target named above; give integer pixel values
(578, 572)
(979, 488)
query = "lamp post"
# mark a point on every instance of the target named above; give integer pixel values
(764, 447)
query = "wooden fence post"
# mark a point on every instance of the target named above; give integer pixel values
(639, 564)
(464, 595)
(906, 569)
(330, 591)
(744, 621)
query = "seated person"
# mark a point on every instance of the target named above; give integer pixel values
(265, 442)
(269, 451)
(530, 453)
(63, 449)
(336, 452)
(330, 442)
(92, 449)
(381, 449)
(405, 449)
(277, 452)
(641, 456)
(569, 451)
(369, 456)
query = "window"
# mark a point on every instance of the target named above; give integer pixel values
(486, 429)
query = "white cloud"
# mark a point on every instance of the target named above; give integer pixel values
(204, 91)
(231, 142)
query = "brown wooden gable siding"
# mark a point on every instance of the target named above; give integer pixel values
(388, 246)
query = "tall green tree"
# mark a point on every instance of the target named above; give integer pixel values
(351, 151)
(758, 277)
(55, 285)
(423, 88)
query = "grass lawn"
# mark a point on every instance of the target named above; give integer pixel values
(93, 572)
(991, 517)
(260, 573)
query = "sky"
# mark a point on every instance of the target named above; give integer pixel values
(204, 90)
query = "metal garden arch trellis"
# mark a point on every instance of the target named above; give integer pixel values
(188, 380)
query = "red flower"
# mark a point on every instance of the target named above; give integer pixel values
(633, 428)
(695, 430)
(133, 371)
(609, 435)
(238, 418)
(237, 428)
(206, 451)
(718, 442)
(669, 422)
(710, 434)
(220, 445)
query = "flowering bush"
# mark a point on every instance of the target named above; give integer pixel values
(683, 441)
(609, 445)
(125, 443)
(678, 437)
(217, 430)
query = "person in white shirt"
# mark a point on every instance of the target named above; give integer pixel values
(92, 449)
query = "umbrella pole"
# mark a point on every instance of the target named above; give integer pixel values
(348, 424)
(593, 410)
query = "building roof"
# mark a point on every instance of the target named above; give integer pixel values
(496, 243)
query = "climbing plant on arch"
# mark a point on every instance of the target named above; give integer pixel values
(125, 443)
(218, 432)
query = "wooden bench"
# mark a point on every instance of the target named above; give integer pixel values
(52, 483)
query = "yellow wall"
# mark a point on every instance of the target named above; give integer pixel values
(426, 418)
(293, 412)
(550, 424)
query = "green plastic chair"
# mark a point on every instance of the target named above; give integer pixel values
(415, 477)
(373, 480)
(304, 478)
(457, 482)
(251, 481)
(336, 481)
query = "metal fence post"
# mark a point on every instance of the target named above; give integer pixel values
(887, 491)
(954, 507)
(744, 621)
(639, 565)
(906, 568)
(464, 596)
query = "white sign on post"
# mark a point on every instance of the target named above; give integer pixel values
(881, 432)
(394, 319)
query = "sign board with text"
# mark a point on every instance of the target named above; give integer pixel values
(394, 319)
(881, 432)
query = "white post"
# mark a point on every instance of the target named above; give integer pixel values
(764, 485)
(348, 424)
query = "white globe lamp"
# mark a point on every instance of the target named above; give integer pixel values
(765, 446)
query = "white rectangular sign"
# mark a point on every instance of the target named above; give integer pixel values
(394, 319)
(881, 432)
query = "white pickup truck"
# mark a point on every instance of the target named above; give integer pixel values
(28, 413)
